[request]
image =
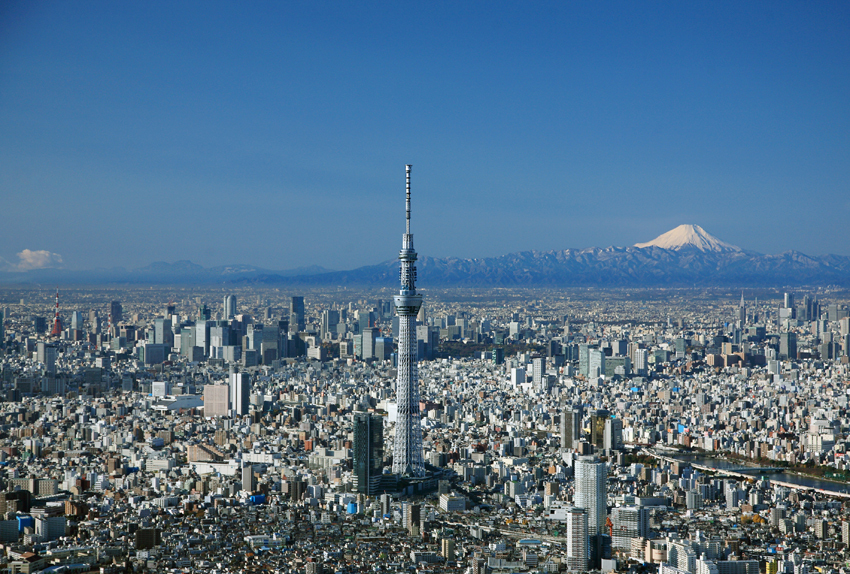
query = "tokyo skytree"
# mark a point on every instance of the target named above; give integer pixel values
(407, 448)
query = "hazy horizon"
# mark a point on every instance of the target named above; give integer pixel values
(276, 135)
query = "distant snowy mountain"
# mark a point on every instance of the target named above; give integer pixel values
(684, 257)
(686, 236)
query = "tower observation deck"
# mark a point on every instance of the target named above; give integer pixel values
(407, 447)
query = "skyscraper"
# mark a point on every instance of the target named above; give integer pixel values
(116, 313)
(368, 452)
(296, 314)
(613, 434)
(742, 312)
(570, 426)
(240, 393)
(407, 448)
(597, 428)
(540, 381)
(577, 554)
(229, 307)
(788, 346)
(591, 492)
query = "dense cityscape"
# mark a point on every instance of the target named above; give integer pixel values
(177, 429)
(216, 356)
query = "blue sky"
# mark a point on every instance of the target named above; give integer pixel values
(276, 134)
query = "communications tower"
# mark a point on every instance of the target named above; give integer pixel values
(407, 447)
(57, 322)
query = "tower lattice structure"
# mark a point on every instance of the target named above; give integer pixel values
(407, 447)
(57, 322)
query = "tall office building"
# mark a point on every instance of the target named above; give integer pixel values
(407, 448)
(597, 427)
(788, 346)
(240, 393)
(330, 321)
(539, 379)
(570, 426)
(296, 313)
(76, 321)
(613, 434)
(595, 363)
(591, 492)
(229, 307)
(641, 361)
(368, 452)
(116, 313)
(742, 312)
(162, 332)
(367, 342)
(248, 481)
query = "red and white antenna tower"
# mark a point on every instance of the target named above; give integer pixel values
(57, 322)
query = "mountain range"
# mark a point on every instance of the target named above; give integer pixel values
(683, 257)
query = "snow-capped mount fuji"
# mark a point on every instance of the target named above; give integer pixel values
(693, 236)
(684, 257)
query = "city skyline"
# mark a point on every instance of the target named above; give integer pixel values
(132, 134)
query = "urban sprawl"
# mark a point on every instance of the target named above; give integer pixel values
(183, 430)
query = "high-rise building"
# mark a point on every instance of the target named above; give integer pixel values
(296, 313)
(641, 361)
(539, 379)
(742, 312)
(229, 307)
(613, 437)
(597, 427)
(383, 348)
(368, 452)
(116, 313)
(407, 447)
(584, 359)
(367, 342)
(629, 522)
(788, 301)
(216, 400)
(577, 554)
(240, 393)
(39, 324)
(788, 346)
(202, 335)
(591, 492)
(448, 548)
(248, 477)
(330, 320)
(204, 313)
(76, 321)
(595, 363)
(162, 332)
(570, 426)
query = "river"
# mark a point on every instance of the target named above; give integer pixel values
(790, 478)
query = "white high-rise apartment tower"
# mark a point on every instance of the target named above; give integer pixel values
(591, 492)
(577, 548)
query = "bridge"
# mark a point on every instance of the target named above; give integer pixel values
(741, 472)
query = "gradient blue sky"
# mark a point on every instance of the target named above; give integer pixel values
(276, 133)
